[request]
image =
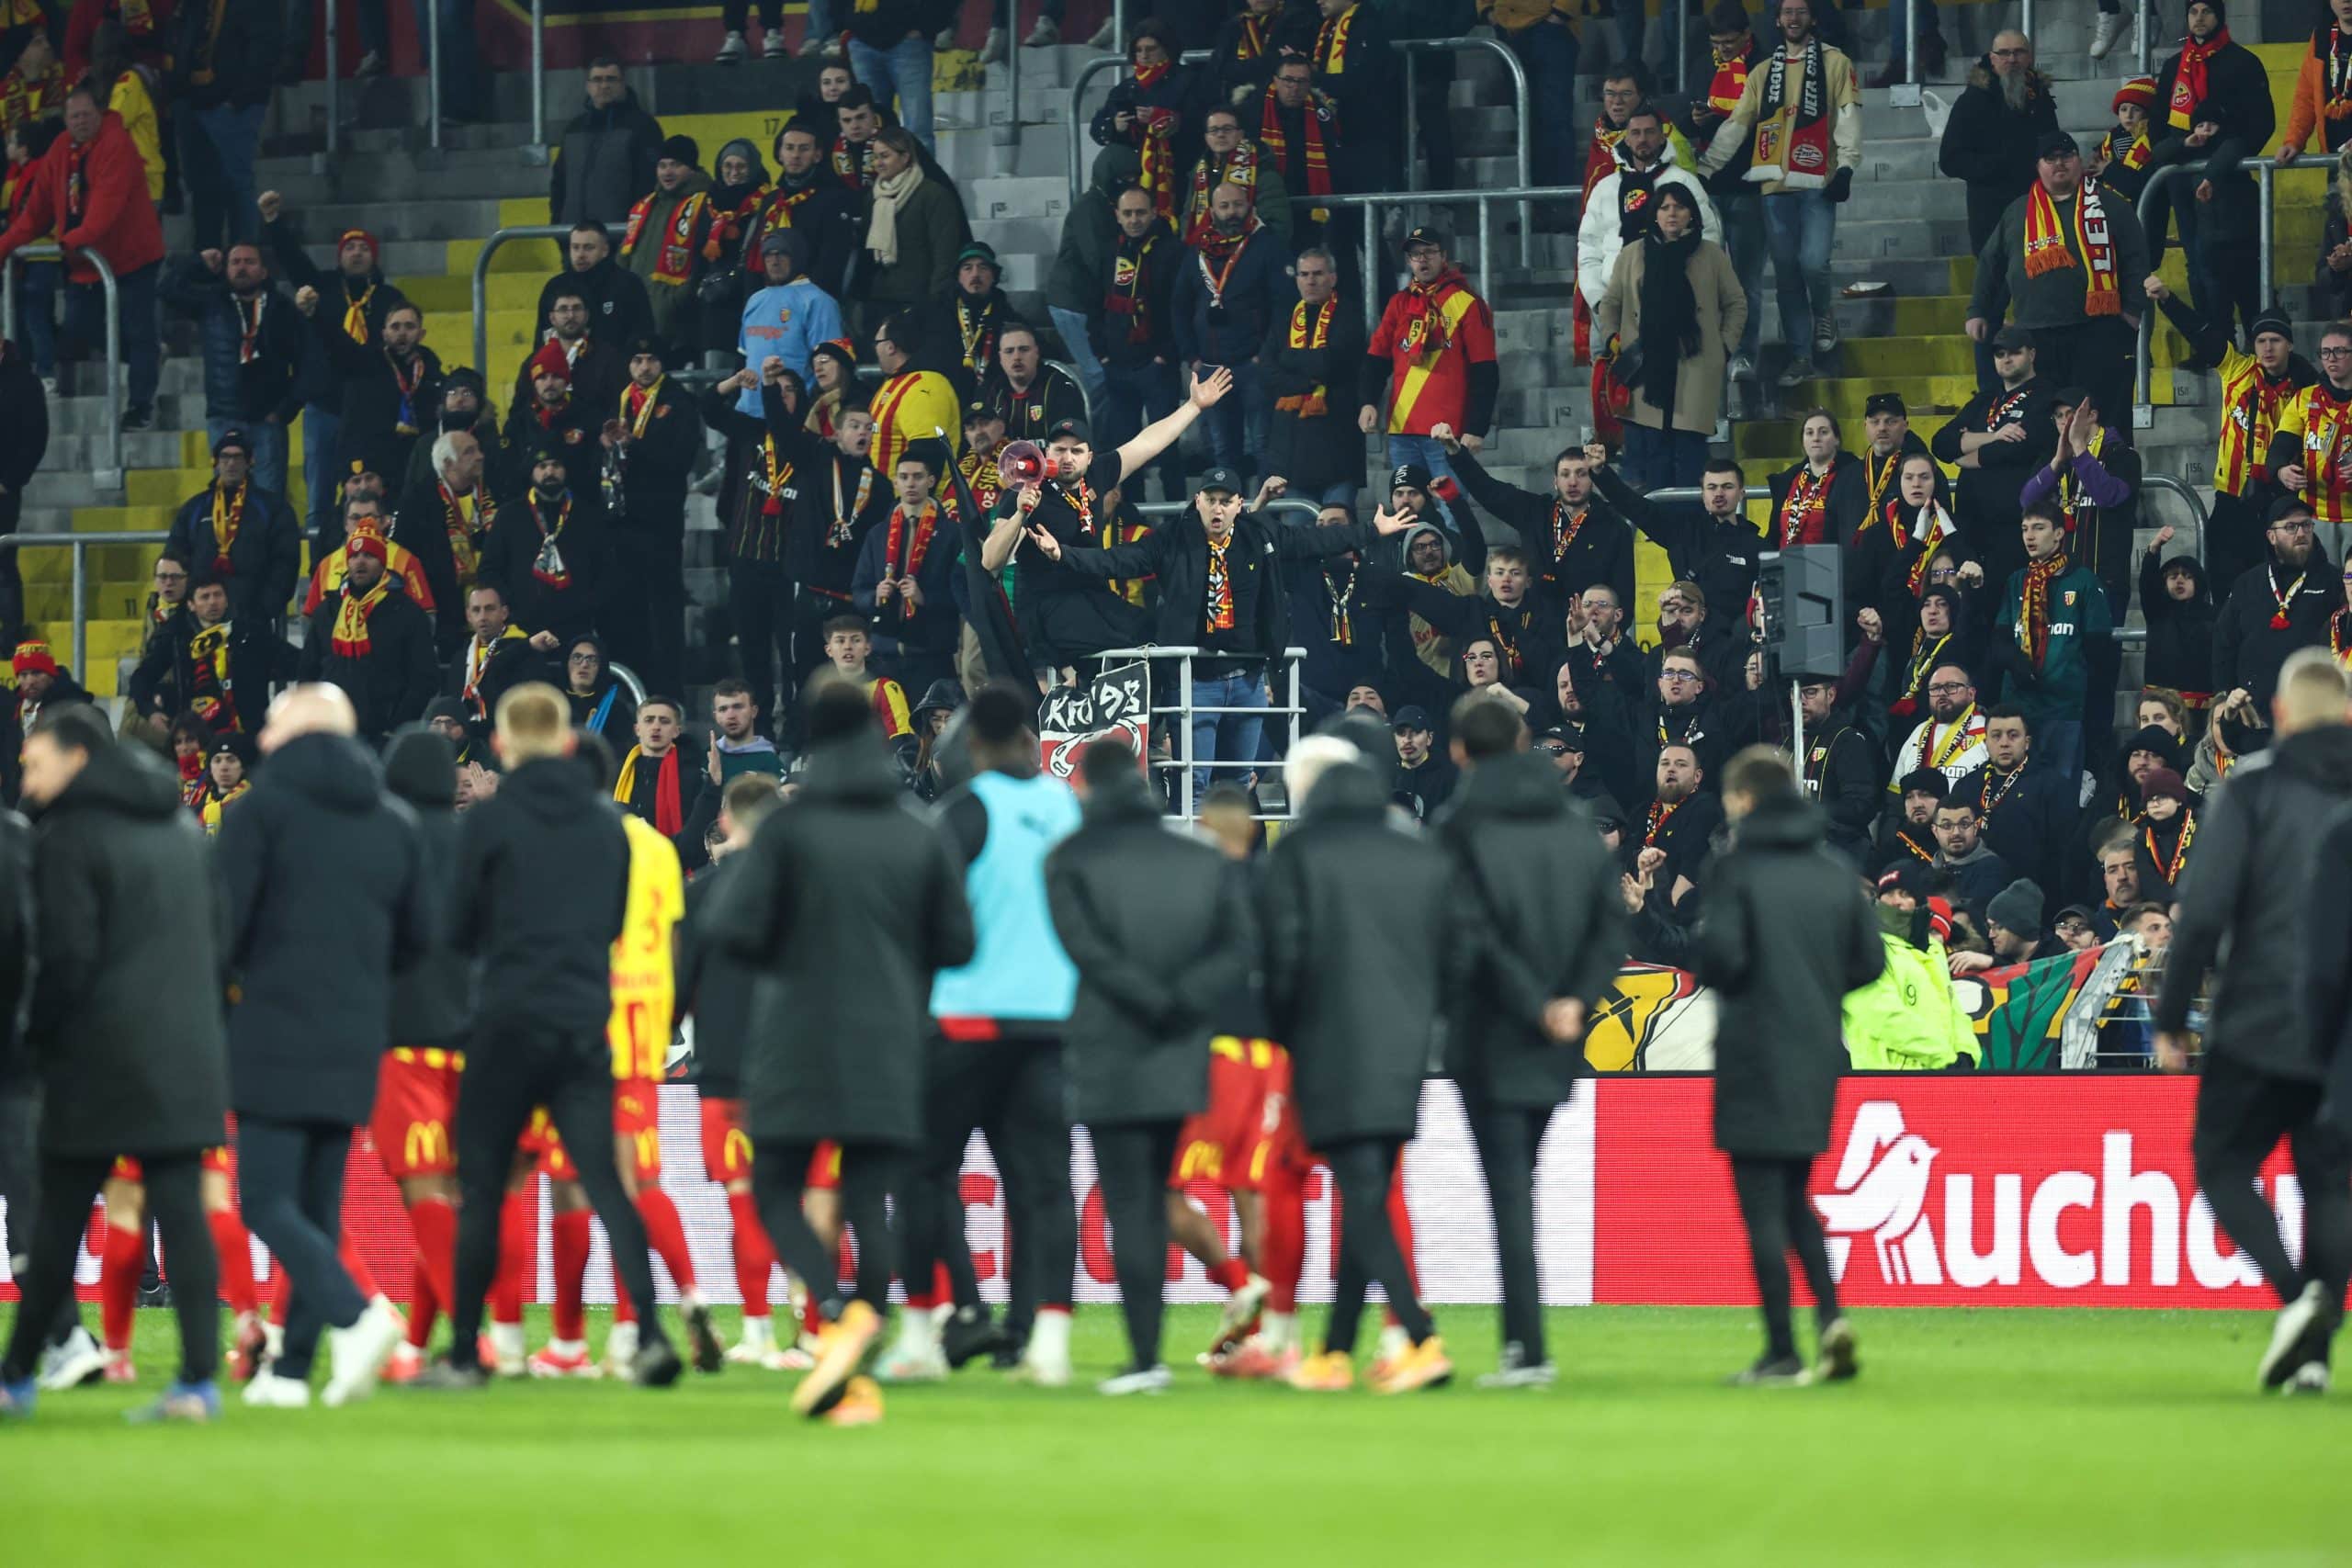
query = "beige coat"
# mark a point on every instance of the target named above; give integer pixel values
(1723, 316)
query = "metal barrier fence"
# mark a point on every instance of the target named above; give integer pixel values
(81, 544)
(2264, 171)
(1408, 48)
(1483, 199)
(108, 478)
(1180, 759)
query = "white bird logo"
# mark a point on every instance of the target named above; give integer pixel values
(1882, 1185)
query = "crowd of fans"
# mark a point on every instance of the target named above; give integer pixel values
(913, 491)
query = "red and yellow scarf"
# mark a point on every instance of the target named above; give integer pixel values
(2170, 870)
(2188, 82)
(355, 312)
(2132, 155)
(1240, 171)
(2033, 617)
(639, 405)
(1308, 331)
(675, 263)
(1255, 30)
(351, 618)
(2333, 49)
(1331, 43)
(465, 554)
(24, 99)
(980, 475)
(1805, 510)
(1277, 145)
(2046, 249)
(669, 814)
(210, 677)
(1654, 823)
(902, 556)
(1792, 137)
(227, 515)
(1220, 595)
(1130, 293)
(1730, 80)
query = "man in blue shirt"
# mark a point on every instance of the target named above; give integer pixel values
(788, 318)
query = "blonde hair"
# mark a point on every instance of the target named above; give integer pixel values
(534, 721)
(2312, 690)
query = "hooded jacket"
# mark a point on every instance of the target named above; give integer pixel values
(715, 987)
(1625, 198)
(1784, 934)
(542, 886)
(1082, 261)
(1364, 940)
(1991, 144)
(125, 1032)
(2251, 885)
(433, 992)
(1152, 970)
(328, 896)
(848, 906)
(602, 163)
(18, 932)
(1544, 891)
(2248, 648)
(2180, 635)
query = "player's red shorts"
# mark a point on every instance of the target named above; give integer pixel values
(416, 1111)
(637, 1131)
(727, 1148)
(1276, 1143)
(1215, 1144)
(222, 1160)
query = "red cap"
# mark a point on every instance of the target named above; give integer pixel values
(1939, 918)
(367, 538)
(34, 658)
(375, 248)
(551, 361)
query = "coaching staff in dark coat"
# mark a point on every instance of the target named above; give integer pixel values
(2254, 886)
(1786, 934)
(542, 888)
(128, 1055)
(19, 1088)
(1361, 936)
(1542, 885)
(853, 906)
(1137, 1040)
(327, 895)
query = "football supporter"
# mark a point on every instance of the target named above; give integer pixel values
(1431, 361)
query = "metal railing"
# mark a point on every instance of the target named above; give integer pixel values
(79, 544)
(1183, 711)
(1372, 202)
(490, 248)
(108, 478)
(1408, 48)
(333, 82)
(2265, 170)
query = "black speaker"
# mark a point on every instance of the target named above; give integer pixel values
(1802, 592)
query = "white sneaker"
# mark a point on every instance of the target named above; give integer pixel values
(1825, 337)
(1742, 368)
(2310, 1377)
(2299, 1336)
(1044, 35)
(79, 1360)
(1046, 1360)
(1149, 1380)
(993, 50)
(2104, 31)
(1515, 1371)
(733, 49)
(356, 1355)
(773, 47)
(620, 1348)
(912, 1362)
(270, 1392)
(507, 1348)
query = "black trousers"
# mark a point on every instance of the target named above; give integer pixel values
(644, 611)
(12, 581)
(759, 600)
(2094, 355)
(69, 1185)
(290, 1176)
(2242, 1113)
(20, 1194)
(1134, 1162)
(509, 1070)
(810, 611)
(2233, 541)
(869, 1173)
(1364, 1168)
(1012, 1092)
(1778, 1216)
(734, 13)
(1508, 1137)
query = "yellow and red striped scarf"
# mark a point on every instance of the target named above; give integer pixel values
(2188, 82)
(2033, 614)
(1220, 599)
(227, 515)
(2046, 249)
(1730, 80)
(1309, 332)
(1331, 43)
(902, 557)
(352, 616)
(1318, 155)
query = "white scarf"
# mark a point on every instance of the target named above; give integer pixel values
(889, 194)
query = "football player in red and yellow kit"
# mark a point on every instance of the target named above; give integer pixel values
(644, 1011)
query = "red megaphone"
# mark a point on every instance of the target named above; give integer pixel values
(1021, 463)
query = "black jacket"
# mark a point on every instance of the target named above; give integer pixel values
(1365, 939)
(327, 895)
(619, 310)
(715, 987)
(2180, 635)
(320, 382)
(421, 526)
(1314, 451)
(2325, 971)
(247, 392)
(1543, 891)
(1992, 146)
(2250, 884)
(604, 162)
(1721, 558)
(1601, 551)
(853, 905)
(1785, 934)
(2247, 649)
(433, 992)
(1177, 553)
(829, 217)
(2237, 99)
(2029, 819)
(18, 931)
(654, 491)
(264, 559)
(1846, 775)
(1988, 510)
(1228, 328)
(126, 1025)
(24, 414)
(241, 55)
(373, 435)
(394, 680)
(165, 680)
(542, 888)
(511, 557)
(1152, 969)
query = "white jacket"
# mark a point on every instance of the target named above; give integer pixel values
(1598, 234)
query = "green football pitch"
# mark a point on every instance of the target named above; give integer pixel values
(2008, 1438)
